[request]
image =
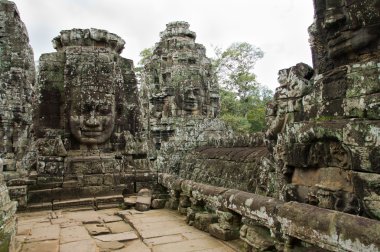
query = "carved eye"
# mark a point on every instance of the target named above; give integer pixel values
(87, 107)
(104, 109)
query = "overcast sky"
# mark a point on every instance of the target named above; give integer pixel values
(278, 27)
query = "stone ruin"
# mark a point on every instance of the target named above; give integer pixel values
(325, 126)
(85, 135)
(17, 81)
(181, 97)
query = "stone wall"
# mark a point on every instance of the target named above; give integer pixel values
(247, 167)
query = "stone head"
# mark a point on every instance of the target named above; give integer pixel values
(95, 88)
(92, 118)
(350, 28)
(190, 98)
(179, 76)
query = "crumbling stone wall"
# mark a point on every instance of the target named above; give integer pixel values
(329, 150)
(17, 78)
(241, 162)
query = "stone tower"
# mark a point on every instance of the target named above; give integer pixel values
(17, 78)
(183, 97)
(87, 121)
(178, 83)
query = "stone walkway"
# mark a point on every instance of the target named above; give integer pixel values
(112, 230)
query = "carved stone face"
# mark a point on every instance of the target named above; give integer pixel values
(92, 118)
(190, 99)
(351, 26)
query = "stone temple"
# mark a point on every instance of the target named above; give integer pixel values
(79, 139)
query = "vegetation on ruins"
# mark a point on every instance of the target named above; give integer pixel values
(243, 99)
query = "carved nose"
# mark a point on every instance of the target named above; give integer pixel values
(334, 18)
(191, 95)
(92, 121)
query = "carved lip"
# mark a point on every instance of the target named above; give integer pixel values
(92, 133)
(340, 38)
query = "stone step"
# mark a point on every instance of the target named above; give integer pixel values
(82, 203)
(88, 203)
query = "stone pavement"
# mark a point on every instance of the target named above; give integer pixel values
(112, 230)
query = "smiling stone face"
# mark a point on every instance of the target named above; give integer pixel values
(92, 118)
(190, 99)
(89, 94)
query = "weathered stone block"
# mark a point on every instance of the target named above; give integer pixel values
(144, 200)
(203, 220)
(158, 203)
(93, 180)
(223, 234)
(172, 203)
(258, 237)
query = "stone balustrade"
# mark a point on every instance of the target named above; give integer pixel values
(286, 223)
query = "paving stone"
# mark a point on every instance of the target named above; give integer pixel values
(125, 236)
(24, 229)
(192, 245)
(80, 246)
(59, 220)
(41, 246)
(86, 217)
(111, 218)
(106, 246)
(70, 223)
(44, 233)
(220, 249)
(158, 225)
(74, 233)
(195, 234)
(119, 227)
(97, 229)
(164, 239)
(163, 231)
(134, 246)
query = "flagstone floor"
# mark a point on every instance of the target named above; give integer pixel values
(112, 230)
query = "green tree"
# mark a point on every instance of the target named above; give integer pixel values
(145, 55)
(243, 99)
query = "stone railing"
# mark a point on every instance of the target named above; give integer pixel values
(268, 223)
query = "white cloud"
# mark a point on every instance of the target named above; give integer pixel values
(278, 27)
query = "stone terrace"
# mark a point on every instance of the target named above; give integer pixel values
(112, 230)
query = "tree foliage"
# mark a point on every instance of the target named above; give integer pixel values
(145, 55)
(243, 99)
